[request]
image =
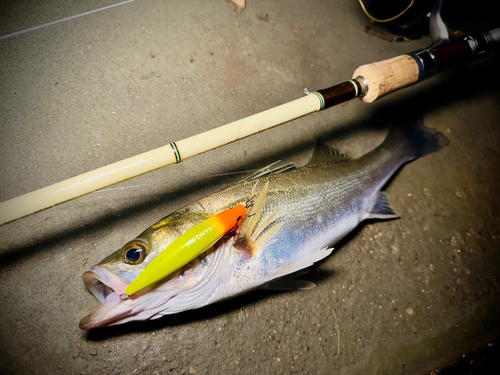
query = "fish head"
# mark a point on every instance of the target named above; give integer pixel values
(108, 279)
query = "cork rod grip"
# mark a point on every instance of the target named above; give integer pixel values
(386, 76)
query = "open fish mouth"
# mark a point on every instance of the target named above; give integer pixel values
(101, 283)
(107, 287)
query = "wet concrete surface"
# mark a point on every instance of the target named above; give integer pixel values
(405, 296)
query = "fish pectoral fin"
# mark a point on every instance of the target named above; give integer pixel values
(253, 238)
(324, 154)
(382, 208)
(258, 242)
(253, 214)
(287, 283)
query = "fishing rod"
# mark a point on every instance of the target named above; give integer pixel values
(369, 83)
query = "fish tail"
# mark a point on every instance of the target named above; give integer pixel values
(415, 140)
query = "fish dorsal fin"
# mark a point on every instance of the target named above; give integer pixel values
(324, 154)
(268, 171)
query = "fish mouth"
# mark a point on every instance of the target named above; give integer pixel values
(101, 283)
(107, 287)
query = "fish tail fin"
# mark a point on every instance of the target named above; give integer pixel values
(416, 139)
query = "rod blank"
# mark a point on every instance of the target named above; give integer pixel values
(134, 166)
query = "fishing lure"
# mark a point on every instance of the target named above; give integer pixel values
(188, 246)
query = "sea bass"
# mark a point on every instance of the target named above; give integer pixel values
(293, 218)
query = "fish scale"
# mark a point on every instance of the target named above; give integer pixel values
(314, 207)
(304, 195)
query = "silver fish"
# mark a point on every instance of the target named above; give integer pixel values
(294, 217)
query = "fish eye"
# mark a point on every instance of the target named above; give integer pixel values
(134, 252)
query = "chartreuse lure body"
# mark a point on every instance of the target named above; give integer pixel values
(188, 246)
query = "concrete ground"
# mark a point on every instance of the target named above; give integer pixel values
(406, 296)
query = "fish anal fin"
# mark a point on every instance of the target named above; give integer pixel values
(382, 208)
(324, 154)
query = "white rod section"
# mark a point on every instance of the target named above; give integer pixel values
(74, 187)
